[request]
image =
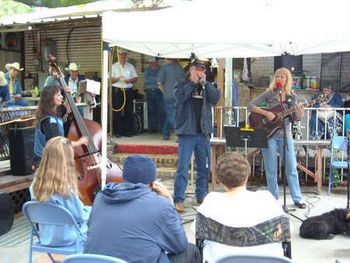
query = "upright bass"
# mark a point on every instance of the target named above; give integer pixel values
(87, 158)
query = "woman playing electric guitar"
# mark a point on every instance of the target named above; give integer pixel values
(280, 90)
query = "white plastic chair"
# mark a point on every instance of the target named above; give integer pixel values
(246, 258)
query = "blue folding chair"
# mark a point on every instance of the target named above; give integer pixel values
(38, 213)
(339, 144)
(247, 258)
(91, 258)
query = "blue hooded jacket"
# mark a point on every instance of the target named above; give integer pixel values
(131, 222)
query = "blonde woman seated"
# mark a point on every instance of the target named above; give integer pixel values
(56, 182)
(229, 217)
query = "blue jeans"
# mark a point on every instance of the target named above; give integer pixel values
(187, 144)
(270, 164)
(12, 103)
(155, 109)
(169, 106)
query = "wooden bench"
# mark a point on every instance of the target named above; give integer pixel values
(10, 183)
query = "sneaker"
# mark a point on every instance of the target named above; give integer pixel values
(180, 207)
(166, 138)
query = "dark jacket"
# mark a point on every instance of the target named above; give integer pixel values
(131, 222)
(80, 78)
(184, 113)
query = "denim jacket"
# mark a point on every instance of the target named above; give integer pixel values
(17, 87)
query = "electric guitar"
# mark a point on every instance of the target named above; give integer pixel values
(281, 112)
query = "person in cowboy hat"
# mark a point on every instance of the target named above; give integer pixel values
(73, 78)
(72, 81)
(4, 90)
(14, 84)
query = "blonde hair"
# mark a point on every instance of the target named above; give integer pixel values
(289, 82)
(56, 173)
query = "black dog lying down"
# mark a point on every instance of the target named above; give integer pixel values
(327, 225)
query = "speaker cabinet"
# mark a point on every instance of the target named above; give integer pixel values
(21, 150)
(293, 63)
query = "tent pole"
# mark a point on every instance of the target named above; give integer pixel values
(228, 92)
(104, 110)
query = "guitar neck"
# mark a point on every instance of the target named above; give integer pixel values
(294, 109)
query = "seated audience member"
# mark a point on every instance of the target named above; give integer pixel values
(4, 90)
(237, 207)
(14, 83)
(73, 78)
(333, 100)
(136, 220)
(56, 182)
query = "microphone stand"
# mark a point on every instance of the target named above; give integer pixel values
(286, 246)
(285, 148)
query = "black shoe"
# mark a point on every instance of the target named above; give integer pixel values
(199, 201)
(127, 135)
(301, 205)
(166, 138)
(117, 135)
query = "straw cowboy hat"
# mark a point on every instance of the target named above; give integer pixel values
(3, 81)
(14, 65)
(73, 67)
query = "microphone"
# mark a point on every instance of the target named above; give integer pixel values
(278, 85)
(202, 82)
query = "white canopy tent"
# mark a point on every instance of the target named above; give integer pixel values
(221, 28)
(229, 29)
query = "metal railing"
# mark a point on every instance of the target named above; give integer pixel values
(306, 137)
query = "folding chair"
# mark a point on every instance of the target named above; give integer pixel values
(91, 258)
(339, 144)
(38, 213)
(275, 230)
(246, 258)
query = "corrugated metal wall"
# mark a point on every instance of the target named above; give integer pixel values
(345, 72)
(312, 64)
(261, 70)
(84, 47)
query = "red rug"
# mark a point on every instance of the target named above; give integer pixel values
(145, 149)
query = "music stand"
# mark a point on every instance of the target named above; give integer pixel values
(245, 137)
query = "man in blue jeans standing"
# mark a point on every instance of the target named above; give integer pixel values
(194, 98)
(169, 75)
(154, 97)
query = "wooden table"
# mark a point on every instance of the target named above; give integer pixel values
(317, 175)
(217, 148)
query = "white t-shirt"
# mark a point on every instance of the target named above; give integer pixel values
(126, 72)
(245, 209)
(73, 85)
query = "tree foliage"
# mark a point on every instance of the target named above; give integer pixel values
(55, 3)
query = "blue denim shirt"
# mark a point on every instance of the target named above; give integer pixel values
(52, 235)
(169, 75)
(150, 77)
(4, 93)
(17, 87)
